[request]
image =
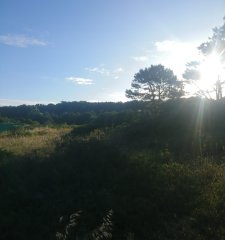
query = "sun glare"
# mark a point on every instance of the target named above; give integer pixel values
(211, 69)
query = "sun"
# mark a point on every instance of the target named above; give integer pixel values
(211, 70)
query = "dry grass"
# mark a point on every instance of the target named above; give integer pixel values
(40, 140)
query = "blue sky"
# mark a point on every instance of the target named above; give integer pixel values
(74, 50)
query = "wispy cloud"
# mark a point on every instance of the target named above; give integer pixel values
(177, 47)
(100, 70)
(21, 41)
(105, 72)
(80, 81)
(141, 58)
(166, 45)
(118, 70)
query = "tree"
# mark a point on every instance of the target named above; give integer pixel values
(214, 45)
(192, 75)
(155, 83)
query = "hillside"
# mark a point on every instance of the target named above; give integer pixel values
(161, 170)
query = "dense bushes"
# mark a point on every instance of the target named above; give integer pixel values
(152, 170)
(151, 200)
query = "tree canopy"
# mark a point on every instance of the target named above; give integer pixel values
(155, 83)
(215, 45)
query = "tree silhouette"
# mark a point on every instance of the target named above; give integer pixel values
(192, 75)
(155, 83)
(216, 45)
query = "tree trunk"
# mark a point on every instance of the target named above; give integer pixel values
(218, 89)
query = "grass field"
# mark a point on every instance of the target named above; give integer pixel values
(40, 140)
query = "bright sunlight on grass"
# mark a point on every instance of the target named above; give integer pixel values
(41, 140)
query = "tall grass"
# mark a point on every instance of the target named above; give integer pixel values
(40, 140)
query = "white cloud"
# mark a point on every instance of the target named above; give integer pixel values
(178, 48)
(175, 54)
(21, 41)
(112, 73)
(166, 45)
(80, 81)
(141, 58)
(118, 70)
(100, 70)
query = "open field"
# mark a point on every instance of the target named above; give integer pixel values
(39, 140)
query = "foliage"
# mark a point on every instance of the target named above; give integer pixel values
(192, 75)
(155, 83)
(163, 175)
(103, 232)
(72, 113)
(72, 223)
(214, 45)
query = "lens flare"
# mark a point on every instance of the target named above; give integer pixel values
(211, 69)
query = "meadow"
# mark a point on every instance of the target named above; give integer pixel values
(38, 140)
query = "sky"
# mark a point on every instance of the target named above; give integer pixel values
(89, 50)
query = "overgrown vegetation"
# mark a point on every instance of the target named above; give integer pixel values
(162, 172)
(39, 140)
